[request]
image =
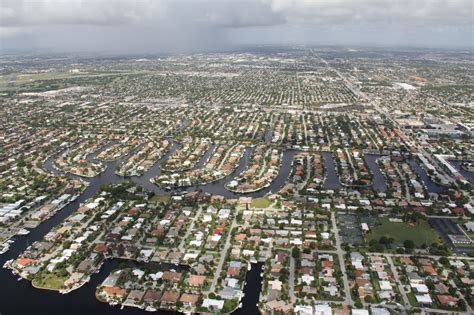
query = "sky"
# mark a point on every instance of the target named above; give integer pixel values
(174, 26)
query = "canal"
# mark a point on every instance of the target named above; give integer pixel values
(430, 185)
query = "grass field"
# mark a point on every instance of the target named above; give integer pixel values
(421, 234)
(49, 281)
(411, 297)
(161, 198)
(261, 202)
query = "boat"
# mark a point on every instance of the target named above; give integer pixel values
(23, 232)
(468, 166)
(4, 248)
(150, 309)
(19, 279)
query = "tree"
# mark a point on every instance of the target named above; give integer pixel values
(295, 253)
(409, 244)
(384, 240)
(444, 260)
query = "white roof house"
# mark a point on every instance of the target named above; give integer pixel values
(360, 312)
(322, 309)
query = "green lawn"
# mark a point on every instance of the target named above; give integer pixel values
(49, 281)
(261, 202)
(411, 297)
(161, 198)
(421, 234)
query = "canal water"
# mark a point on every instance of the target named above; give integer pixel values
(467, 175)
(332, 178)
(379, 183)
(252, 290)
(431, 186)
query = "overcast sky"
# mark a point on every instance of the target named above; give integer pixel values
(150, 26)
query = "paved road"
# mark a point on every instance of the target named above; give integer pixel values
(340, 254)
(453, 284)
(292, 280)
(188, 231)
(224, 253)
(397, 279)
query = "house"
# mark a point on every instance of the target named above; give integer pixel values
(152, 296)
(171, 276)
(424, 299)
(24, 262)
(414, 278)
(379, 311)
(430, 270)
(309, 290)
(170, 297)
(331, 290)
(358, 311)
(441, 288)
(419, 288)
(233, 271)
(322, 309)
(213, 304)
(196, 281)
(356, 260)
(136, 295)
(275, 285)
(115, 292)
(229, 293)
(447, 300)
(279, 306)
(189, 299)
(304, 310)
(385, 285)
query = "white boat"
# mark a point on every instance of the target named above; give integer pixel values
(4, 248)
(150, 309)
(23, 232)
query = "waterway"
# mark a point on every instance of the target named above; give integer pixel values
(467, 175)
(253, 284)
(379, 183)
(431, 186)
(332, 179)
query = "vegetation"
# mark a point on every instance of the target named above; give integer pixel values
(261, 202)
(420, 233)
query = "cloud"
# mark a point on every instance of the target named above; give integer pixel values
(238, 13)
(146, 21)
(17, 13)
(377, 12)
